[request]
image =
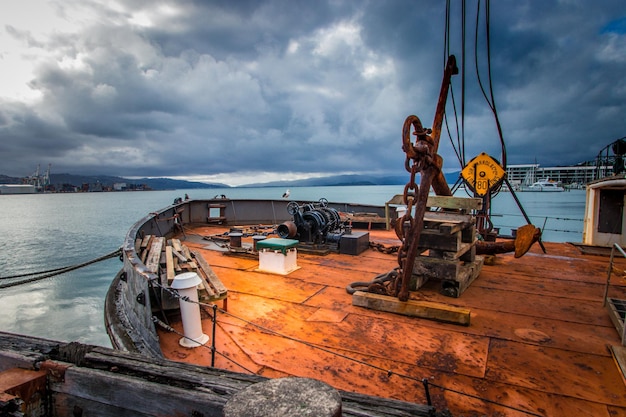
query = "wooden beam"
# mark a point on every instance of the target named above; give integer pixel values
(454, 202)
(176, 245)
(422, 309)
(179, 255)
(146, 241)
(169, 264)
(215, 282)
(445, 217)
(154, 257)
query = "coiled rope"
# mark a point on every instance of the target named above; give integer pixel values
(38, 276)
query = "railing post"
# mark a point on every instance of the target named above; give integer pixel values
(213, 334)
(427, 392)
(608, 276)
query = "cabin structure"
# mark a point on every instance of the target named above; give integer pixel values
(604, 223)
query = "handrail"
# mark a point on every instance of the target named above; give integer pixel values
(608, 281)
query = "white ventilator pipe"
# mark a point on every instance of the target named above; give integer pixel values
(186, 284)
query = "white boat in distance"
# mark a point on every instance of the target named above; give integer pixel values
(545, 185)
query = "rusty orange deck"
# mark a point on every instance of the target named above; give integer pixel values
(538, 339)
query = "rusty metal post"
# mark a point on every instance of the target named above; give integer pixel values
(440, 185)
(424, 155)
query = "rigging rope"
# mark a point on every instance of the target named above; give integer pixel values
(56, 271)
(486, 90)
(488, 97)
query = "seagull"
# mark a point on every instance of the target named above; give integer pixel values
(286, 194)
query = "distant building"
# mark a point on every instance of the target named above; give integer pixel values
(120, 186)
(528, 174)
(17, 189)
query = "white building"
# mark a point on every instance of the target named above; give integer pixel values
(17, 189)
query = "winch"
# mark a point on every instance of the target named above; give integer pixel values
(317, 226)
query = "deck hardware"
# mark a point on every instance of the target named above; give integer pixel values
(141, 298)
(427, 391)
(214, 320)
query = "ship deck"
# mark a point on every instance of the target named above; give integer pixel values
(538, 341)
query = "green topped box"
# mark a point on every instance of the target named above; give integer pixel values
(276, 244)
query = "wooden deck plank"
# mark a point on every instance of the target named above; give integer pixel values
(574, 290)
(532, 401)
(561, 334)
(589, 377)
(555, 307)
(538, 334)
(429, 347)
(280, 287)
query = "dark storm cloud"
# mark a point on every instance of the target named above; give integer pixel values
(204, 88)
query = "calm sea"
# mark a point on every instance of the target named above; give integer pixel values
(42, 232)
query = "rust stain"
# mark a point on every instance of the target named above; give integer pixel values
(537, 340)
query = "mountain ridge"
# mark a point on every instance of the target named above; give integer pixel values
(164, 183)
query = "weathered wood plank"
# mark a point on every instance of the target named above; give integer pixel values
(449, 254)
(213, 279)
(442, 216)
(454, 202)
(432, 239)
(176, 245)
(423, 309)
(444, 202)
(138, 394)
(138, 245)
(145, 247)
(449, 228)
(154, 257)
(179, 255)
(169, 264)
(436, 267)
(174, 373)
(68, 405)
(186, 253)
(145, 242)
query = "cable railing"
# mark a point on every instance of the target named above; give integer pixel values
(618, 307)
(555, 224)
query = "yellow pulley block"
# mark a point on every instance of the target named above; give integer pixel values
(482, 174)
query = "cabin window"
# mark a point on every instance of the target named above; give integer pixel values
(611, 211)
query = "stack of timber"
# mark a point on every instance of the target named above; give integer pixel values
(449, 240)
(168, 258)
(447, 250)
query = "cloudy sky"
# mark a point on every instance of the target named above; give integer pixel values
(249, 91)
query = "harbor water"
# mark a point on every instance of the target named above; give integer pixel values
(46, 231)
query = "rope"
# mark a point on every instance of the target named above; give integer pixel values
(54, 272)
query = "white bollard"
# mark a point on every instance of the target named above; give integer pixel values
(186, 284)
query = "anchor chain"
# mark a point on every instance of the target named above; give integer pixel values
(388, 250)
(422, 158)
